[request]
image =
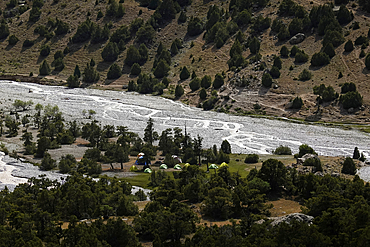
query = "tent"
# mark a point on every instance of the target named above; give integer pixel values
(163, 166)
(133, 168)
(224, 164)
(213, 166)
(148, 170)
(177, 167)
(186, 165)
(178, 159)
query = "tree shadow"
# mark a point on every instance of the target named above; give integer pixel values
(365, 71)
(94, 47)
(9, 47)
(263, 90)
(103, 65)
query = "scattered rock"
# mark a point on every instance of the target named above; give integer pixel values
(289, 218)
(300, 161)
(296, 39)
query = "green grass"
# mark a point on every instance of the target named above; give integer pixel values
(141, 179)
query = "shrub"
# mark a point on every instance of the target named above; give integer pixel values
(44, 68)
(77, 71)
(356, 154)
(45, 50)
(361, 40)
(206, 81)
(132, 56)
(145, 33)
(283, 33)
(266, 80)
(73, 81)
(329, 50)
(62, 28)
(184, 74)
(305, 149)
(243, 18)
(344, 16)
(110, 52)
(195, 84)
(195, 26)
(326, 93)
(182, 17)
(294, 51)
(348, 87)
(334, 37)
(305, 75)
(209, 103)
(367, 61)
(320, 59)
(13, 39)
(362, 54)
(58, 54)
(219, 81)
(159, 88)
(275, 72)
(90, 74)
(349, 166)
(114, 72)
(28, 43)
(254, 45)
(132, 86)
(295, 26)
(58, 64)
(297, 103)
(251, 158)
(277, 62)
(203, 94)
(284, 51)
(283, 150)
(348, 47)
(35, 14)
(135, 69)
(166, 81)
(351, 100)
(161, 69)
(4, 30)
(179, 91)
(315, 162)
(301, 57)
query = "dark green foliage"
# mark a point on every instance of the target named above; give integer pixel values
(297, 103)
(47, 163)
(66, 50)
(67, 163)
(275, 72)
(182, 17)
(294, 51)
(35, 14)
(326, 94)
(295, 26)
(254, 45)
(226, 147)
(77, 71)
(251, 158)
(315, 162)
(344, 16)
(120, 11)
(266, 80)
(236, 58)
(73, 81)
(334, 37)
(219, 81)
(122, 33)
(300, 57)
(351, 100)
(167, 10)
(283, 33)
(349, 167)
(277, 62)
(356, 154)
(273, 172)
(99, 15)
(58, 64)
(305, 149)
(90, 74)
(135, 69)
(179, 91)
(114, 72)
(209, 103)
(136, 24)
(202, 94)
(145, 34)
(348, 47)
(28, 43)
(174, 50)
(195, 26)
(284, 51)
(260, 24)
(243, 18)
(329, 50)
(348, 87)
(194, 84)
(61, 27)
(283, 150)
(44, 68)
(166, 81)
(287, 7)
(276, 25)
(367, 61)
(84, 31)
(13, 39)
(305, 75)
(184, 74)
(206, 81)
(132, 86)
(133, 56)
(110, 52)
(100, 34)
(45, 50)
(361, 40)
(161, 69)
(320, 59)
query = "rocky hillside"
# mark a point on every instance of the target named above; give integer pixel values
(247, 57)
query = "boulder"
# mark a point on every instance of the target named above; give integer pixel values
(290, 217)
(300, 161)
(298, 38)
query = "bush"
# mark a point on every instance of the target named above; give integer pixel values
(295, 26)
(4, 30)
(349, 166)
(283, 150)
(47, 163)
(362, 54)
(344, 16)
(283, 33)
(184, 74)
(58, 64)
(182, 17)
(44, 68)
(284, 51)
(277, 62)
(206, 81)
(361, 40)
(145, 33)
(209, 103)
(275, 72)
(351, 100)
(315, 162)
(367, 61)
(297, 103)
(294, 51)
(90, 74)
(179, 91)
(110, 52)
(28, 43)
(203, 94)
(329, 50)
(251, 158)
(305, 75)
(135, 69)
(356, 154)
(114, 72)
(35, 14)
(266, 80)
(166, 81)
(334, 37)
(301, 57)
(195, 84)
(254, 45)
(305, 149)
(161, 69)
(348, 87)
(195, 26)
(77, 71)
(13, 39)
(320, 59)
(72, 81)
(132, 86)
(348, 47)
(219, 81)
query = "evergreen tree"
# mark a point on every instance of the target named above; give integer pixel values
(73, 81)
(184, 74)
(161, 69)
(194, 84)
(110, 52)
(47, 162)
(114, 72)
(77, 71)
(356, 154)
(203, 94)
(284, 51)
(90, 74)
(44, 68)
(266, 80)
(329, 50)
(349, 166)
(135, 69)
(219, 81)
(206, 81)
(179, 91)
(254, 45)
